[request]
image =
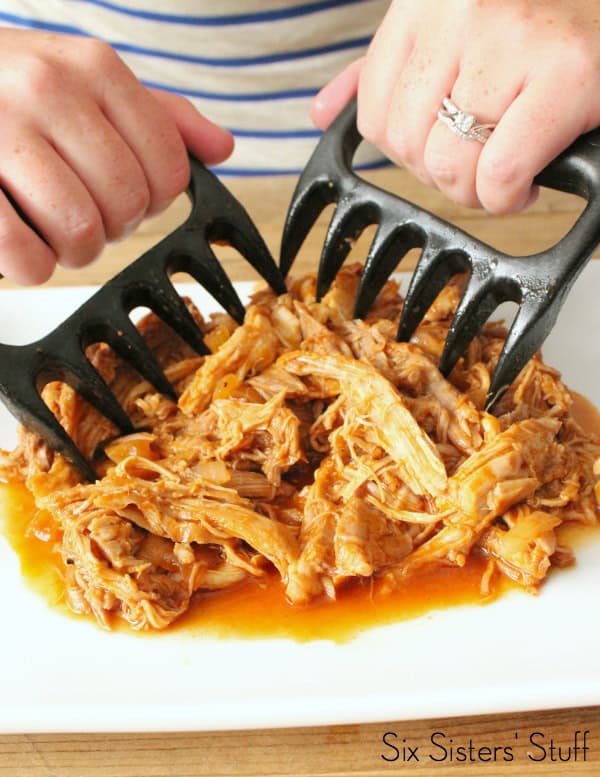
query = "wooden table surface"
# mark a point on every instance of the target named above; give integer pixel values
(330, 750)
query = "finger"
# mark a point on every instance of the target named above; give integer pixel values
(387, 54)
(414, 106)
(335, 95)
(93, 149)
(24, 257)
(146, 127)
(452, 160)
(207, 141)
(53, 199)
(534, 130)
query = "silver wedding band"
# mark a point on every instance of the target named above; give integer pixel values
(463, 124)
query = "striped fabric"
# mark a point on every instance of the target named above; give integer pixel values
(250, 65)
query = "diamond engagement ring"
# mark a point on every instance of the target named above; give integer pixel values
(462, 123)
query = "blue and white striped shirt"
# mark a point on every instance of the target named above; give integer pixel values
(253, 66)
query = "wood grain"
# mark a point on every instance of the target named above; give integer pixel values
(330, 751)
(326, 751)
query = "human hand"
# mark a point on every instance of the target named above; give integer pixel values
(86, 151)
(532, 67)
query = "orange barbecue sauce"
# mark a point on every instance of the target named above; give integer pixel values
(261, 609)
(258, 608)
(41, 568)
(585, 413)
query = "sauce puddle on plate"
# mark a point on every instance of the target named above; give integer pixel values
(258, 608)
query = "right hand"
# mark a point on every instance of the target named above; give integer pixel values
(86, 151)
(528, 67)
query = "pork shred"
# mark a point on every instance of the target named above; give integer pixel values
(312, 447)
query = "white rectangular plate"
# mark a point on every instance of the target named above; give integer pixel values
(61, 674)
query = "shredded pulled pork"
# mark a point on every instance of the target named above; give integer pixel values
(313, 445)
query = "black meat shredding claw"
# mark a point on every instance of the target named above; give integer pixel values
(538, 283)
(216, 217)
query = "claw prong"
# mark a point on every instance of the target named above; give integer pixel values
(390, 244)
(434, 270)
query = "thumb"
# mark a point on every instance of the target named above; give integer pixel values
(335, 95)
(206, 141)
